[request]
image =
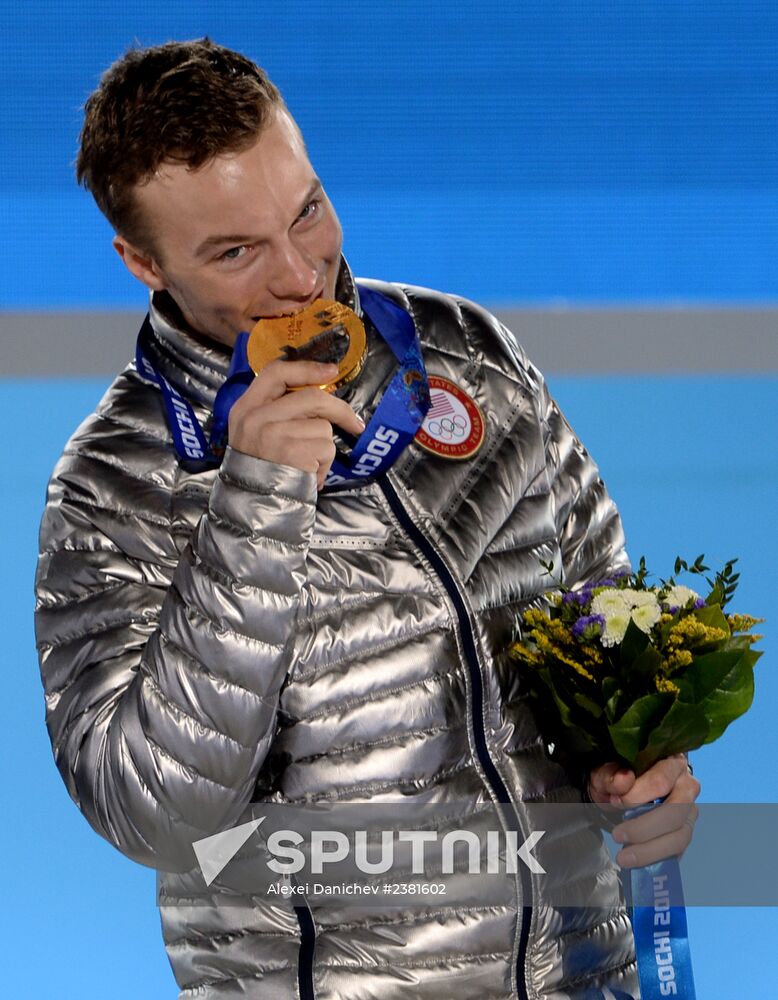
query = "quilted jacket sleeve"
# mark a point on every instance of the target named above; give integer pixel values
(162, 673)
(589, 528)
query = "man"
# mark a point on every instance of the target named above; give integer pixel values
(216, 635)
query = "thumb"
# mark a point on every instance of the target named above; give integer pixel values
(609, 782)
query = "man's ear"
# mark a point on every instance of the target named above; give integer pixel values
(139, 264)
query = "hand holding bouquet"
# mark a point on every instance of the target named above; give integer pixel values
(625, 671)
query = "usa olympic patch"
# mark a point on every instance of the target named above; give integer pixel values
(454, 426)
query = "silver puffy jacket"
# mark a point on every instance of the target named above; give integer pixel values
(208, 640)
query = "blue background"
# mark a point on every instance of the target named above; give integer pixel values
(593, 152)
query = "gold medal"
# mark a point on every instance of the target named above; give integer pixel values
(326, 331)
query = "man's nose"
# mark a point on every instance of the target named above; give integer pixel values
(295, 275)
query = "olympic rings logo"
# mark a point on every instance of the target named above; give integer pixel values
(448, 428)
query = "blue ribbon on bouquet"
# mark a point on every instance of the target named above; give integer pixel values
(654, 895)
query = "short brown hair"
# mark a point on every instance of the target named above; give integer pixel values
(184, 102)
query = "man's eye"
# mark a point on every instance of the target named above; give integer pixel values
(234, 253)
(310, 209)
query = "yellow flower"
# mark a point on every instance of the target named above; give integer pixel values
(547, 646)
(578, 667)
(690, 632)
(742, 623)
(592, 654)
(533, 616)
(542, 640)
(665, 686)
(559, 630)
(530, 656)
(677, 659)
(687, 630)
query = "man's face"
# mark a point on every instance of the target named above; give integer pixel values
(247, 235)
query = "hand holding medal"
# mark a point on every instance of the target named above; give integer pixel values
(330, 332)
(286, 416)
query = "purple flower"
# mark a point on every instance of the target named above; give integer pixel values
(585, 593)
(675, 608)
(576, 597)
(585, 622)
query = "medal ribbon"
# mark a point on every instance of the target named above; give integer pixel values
(403, 406)
(195, 452)
(393, 426)
(654, 895)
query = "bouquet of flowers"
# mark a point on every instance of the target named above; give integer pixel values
(620, 670)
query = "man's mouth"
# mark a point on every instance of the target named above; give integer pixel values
(293, 312)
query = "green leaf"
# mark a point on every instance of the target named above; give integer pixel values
(558, 722)
(742, 642)
(609, 687)
(632, 645)
(632, 730)
(563, 705)
(611, 694)
(648, 663)
(721, 684)
(639, 578)
(684, 727)
(588, 704)
(613, 706)
(712, 616)
(716, 596)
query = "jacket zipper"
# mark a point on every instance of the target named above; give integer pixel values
(497, 786)
(307, 946)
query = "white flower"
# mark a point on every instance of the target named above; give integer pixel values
(679, 596)
(619, 606)
(615, 627)
(640, 598)
(646, 614)
(609, 602)
(613, 607)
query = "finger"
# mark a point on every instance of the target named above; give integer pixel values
(671, 814)
(315, 454)
(309, 429)
(277, 378)
(261, 430)
(308, 403)
(609, 782)
(655, 823)
(657, 782)
(669, 845)
(279, 437)
(311, 403)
